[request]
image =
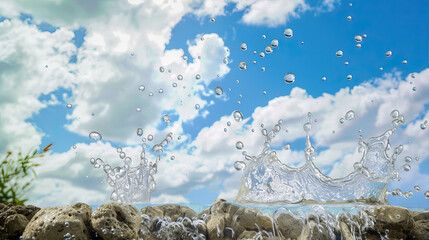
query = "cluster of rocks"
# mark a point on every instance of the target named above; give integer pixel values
(223, 220)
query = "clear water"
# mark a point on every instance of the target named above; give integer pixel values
(266, 179)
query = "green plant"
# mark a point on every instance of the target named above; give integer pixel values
(17, 175)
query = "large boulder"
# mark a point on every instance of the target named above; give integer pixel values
(289, 225)
(396, 220)
(14, 219)
(60, 223)
(114, 220)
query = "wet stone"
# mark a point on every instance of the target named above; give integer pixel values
(171, 210)
(114, 220)
(420, 230)
(289, 226)
(15, 225)
(397, 220)
(49, 223)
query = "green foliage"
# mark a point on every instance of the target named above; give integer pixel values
(17, 175)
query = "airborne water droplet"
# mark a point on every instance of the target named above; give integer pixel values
(150, 137)
(166, 118)
(197, 106)
(427, 194)
(289, 77)
(323, 78)
(274, 43)
(238, 116)
(350, 115)
(404, 62)
(218, 91)
(239, 145)
(262, 54)
(69, 106)
(268, 49)
(180, 77)
(287, 146)
(288, 32)
(142, 87)
(239, 165)
(161, 69)
(339, 53)
(242, 65)
(139, 132)
(417, 188)
(349, 18)
(358, 38)
(198, 76)
(388, 53)
(243, 46)
(349, 77)
(95, 136)
(342, 120)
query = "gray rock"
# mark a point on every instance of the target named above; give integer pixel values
(314, 232)
(215, 225)
(421, 230)
(57, 222)
(171, 210)
(417, 216)
(27, 211)
(397, 220)
(247, 235)
(15, 225)
(114, 220)
(289, 226)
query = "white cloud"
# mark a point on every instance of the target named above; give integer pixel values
(165, 198)
(32, 63)
(270, 12)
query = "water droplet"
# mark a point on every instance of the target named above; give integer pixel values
(404, 62)
(342, 120)
(388, 53)
(346, 63)
(381, 69)
(243, 46)
(268, 49)
(264, 92)
(349, 77)
(350, 115)
(238, 116)
(161, 90)
(74, 146)
(274, 43)
(263, 69)
(408, 159)
(212, 19)
(228, 123)
(398, 216)
(150, 137)
(161, 69)
(198, 76)
(197, 106)
(166, 118)
(225, 60)
(138, 109)
(423, 125)
(323, 78)
(358, 45)
(179, 77)
(413, 75)
(173, 157)
(150, 94)
(287, 146)
(358, 38)
(427, 194)
(69, 106)
(364, 36)
(394, 114)
(263, 36)
(417, 188)
(407, 167)
(339, 53)
(239, 145)
(185, 57)
(142, 87)
(349, 18)
(289, 77)
(261, 54)
(66, 224)
(242, 65)
(95, 136)
(139, 132)
(218, 91)
(288, 32)
(239, 165)
(414, 89)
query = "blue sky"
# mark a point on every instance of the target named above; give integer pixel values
(101, 81)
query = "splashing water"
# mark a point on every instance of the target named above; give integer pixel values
(133, 184)
(266, 180)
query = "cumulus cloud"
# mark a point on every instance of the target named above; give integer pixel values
(32, 63)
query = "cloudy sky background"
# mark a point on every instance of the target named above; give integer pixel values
(95, 55)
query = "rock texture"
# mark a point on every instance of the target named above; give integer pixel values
(222, 220)
(14, 219)
(114, 220)
(60, 223)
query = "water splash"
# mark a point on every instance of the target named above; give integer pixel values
(266, 179)
(133, 184)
